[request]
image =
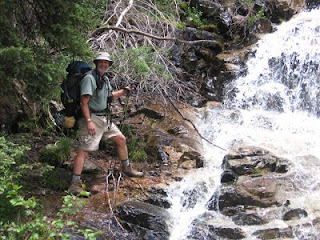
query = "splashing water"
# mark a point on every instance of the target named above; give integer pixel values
(275, 106)
(284, 75)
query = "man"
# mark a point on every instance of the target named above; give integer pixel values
(95, 124)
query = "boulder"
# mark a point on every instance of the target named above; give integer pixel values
(293, 214)
(145, 220)
(204, 230)
(248, 219)
(252, 160)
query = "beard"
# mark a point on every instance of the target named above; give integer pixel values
(101, 70)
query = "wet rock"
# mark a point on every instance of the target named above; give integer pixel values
(275, 233)
(253, 160)
(258, 192)
(295, 214)
(156, 141)
(203, 231)
(194, 195)
(248, 219)
(158, 198)
(199, 162)
(228, 233)
(232, 211)
(228, 176)
(145, 220)
(188, 165)
(260, 187)
(191, 159)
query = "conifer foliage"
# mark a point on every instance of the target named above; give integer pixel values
(37, 38)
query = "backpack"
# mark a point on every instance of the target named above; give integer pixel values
(70, 96)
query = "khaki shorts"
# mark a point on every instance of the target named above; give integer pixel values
(103, 132)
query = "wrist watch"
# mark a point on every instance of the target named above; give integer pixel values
(89, 120)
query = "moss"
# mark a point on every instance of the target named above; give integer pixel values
(210, 28)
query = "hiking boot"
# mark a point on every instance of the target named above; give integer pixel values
(130, 172)
(77, 190)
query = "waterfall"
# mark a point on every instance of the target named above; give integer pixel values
(275, 105)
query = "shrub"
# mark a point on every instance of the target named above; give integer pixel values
(56, 154)
(37, 226)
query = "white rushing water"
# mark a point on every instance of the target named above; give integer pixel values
(275, 106)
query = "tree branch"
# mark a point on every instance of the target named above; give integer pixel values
(124, 13)
(132, 31)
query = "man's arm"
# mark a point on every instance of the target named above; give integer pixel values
(86, 114)
(121, 92)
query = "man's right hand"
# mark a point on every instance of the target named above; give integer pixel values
(91, 128)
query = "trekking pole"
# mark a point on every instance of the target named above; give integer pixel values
(109, 115)
(109, 110)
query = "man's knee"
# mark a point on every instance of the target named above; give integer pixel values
(81, 155)
(119, 140)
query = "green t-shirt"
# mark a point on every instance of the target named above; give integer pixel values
(98, 99)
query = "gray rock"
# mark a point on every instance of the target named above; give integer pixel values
(294, 214)
(145, 220)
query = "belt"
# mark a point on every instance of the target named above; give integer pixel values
(99, 113)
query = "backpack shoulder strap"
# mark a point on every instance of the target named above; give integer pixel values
(97, 78)
(108, 83)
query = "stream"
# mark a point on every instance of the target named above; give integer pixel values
(276, 106)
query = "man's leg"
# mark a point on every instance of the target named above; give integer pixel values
(122, 151)
(79, 162)
(76, 184)
(121, 145)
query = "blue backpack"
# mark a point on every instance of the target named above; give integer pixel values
(70, 95)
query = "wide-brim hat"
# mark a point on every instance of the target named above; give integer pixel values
(103, 56)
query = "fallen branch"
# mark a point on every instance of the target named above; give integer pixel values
(132, 31)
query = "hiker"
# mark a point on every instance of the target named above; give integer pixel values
(95, 124)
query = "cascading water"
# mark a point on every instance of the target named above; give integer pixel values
(276, 105)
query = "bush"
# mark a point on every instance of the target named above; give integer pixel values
(37, 226)
(56, 154)
(12, 167)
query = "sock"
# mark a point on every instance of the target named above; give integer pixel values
(125, 163)
(75, 177)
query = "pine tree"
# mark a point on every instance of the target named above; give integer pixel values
(38, 38)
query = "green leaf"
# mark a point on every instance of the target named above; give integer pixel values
(85, 194)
